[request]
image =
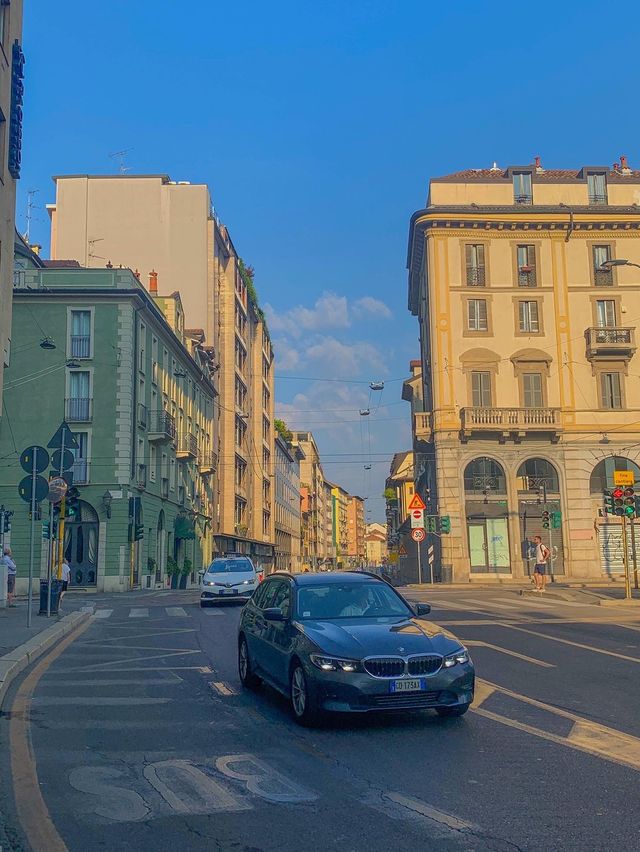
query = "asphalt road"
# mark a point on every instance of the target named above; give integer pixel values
(143, 739)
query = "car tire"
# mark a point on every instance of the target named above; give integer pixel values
(449, 712)
(247, 678)
(303, 697)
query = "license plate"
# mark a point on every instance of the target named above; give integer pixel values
(406, 685)
(229, 592)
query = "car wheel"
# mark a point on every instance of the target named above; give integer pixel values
(247, 677)
(304, 704)
(460, 710)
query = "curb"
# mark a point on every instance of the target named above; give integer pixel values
(617, 602)
(15, 661)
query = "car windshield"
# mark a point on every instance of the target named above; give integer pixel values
(229, 566)
(350, 600)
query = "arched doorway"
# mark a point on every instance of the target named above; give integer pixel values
(81, 545)
(486, 509)
(538, 504)
(610, 528)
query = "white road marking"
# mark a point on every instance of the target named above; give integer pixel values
(94, 700)
(115, 681)
(261, 780)
(141, 612)
(212, 611)
(176, 611)
(222, 688)
(113, 802)
(102, 613)
(188, 790)
(488, 604)
(509, 652)
(422, 808)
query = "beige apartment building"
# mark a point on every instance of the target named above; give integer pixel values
(356, 530)
(339, 524)
(151, 223)
(288, 531)
(376, 544)
(317, 504)
(526, 285)
(11, 98)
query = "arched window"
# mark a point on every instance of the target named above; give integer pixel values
(484, 474)
(602, 474)
(533, 474)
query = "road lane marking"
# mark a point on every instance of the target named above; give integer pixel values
(114, 681)
(222, 688)
(188, 790)
(262, 780)
(425, 810)
(176, 612)
(509, 652)
(574, 644)
(94, 700)
(146, 635)
(211, 611)
(493, 603)
(102, 613)
(139, 612)
(590, 737)
(32, 810)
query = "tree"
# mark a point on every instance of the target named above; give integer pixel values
(283, 430)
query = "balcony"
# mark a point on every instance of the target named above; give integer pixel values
(80, 346)
(526, 198)
(161, 426)
(422, 426)
(603, 277)
(78, 410)
(476, 276)
(80, 470)
(515, 423)
(164, 487)
(208, 463)
(187, 446)
(610, 341)
(597, 199)
(527, 276)
(141, 475)
(143, 415)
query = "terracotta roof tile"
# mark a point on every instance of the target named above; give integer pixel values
(61, 264)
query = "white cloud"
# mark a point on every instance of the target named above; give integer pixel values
(368, 306)
(287, 356)
(345, 360)
(329, 311)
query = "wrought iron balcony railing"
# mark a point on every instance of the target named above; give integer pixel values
(161, 426)
(187, 446)
(610, 340)
(79, 409)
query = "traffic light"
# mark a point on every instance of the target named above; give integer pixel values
(629, 502)
(71, 501)
(6, 527)
(608, 503)
(46, 530)
(139, 532)
(431, 524)
(556, 520)
(618, 501)
(445, 524)
(546, 520)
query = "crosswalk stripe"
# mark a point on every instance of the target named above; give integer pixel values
(489, 604)
(141, 612)
(102, 613)
(211, 611)
(177, 611)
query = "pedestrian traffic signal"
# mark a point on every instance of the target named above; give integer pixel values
(629, 502)
(546, 520)
(46, 530)
(556, 520)
(618, 501)
(608, 503)
(6, 526)
(71, 503)
(445, 524)
(431, 524)
(139, 532)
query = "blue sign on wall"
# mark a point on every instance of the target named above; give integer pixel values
(17, 99)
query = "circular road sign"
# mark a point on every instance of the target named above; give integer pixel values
(418, 534)
(41, 489)
(57, 489)
(62, 461)
(37, 454)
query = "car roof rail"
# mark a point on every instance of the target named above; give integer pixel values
(366, 573)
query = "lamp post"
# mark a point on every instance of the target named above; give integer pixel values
(618, 261)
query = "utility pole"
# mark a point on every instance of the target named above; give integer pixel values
(625, 557)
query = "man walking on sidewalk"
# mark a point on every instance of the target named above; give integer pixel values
(540, 568)
(11, 575)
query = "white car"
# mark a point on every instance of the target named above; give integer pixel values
(229, 578)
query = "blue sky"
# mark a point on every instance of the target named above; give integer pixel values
(317, 126)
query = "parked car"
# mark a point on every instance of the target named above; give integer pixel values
(349, 642)
(228, 578)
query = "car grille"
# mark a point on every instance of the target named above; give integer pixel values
(405, 701)
(385, 666)
(424, 665)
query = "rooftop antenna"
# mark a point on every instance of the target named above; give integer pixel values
(120, 155)
(91, 244)
(30, 207)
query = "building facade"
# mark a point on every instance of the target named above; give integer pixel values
(316, 503)
(340, 525)
(526, 287)
(288, 530)
(356, 551)
(376, 544)
(11, 97)
(150, 222)
(141, 404)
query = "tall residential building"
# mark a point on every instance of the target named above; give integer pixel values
(526, 287)
(287, 505)
(340, 501)
(315, 504)
(11, 97)
(376, 544)
(137, 393)
(356, 530)
(399, 489)
(149, 222)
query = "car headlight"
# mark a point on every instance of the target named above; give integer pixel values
(334, 664)
(458, 657)
(246, 582)
(208, 583)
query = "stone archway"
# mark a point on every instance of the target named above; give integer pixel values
(81, 535)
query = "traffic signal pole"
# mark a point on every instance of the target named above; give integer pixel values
(625, 556)
(61, 538)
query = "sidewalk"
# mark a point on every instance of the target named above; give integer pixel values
(13, 622)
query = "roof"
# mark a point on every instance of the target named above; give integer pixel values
(322, 578)
(539, 175)
(126, 175)
(61, 264)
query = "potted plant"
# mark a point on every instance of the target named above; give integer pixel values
(173, 571)
(187, 567)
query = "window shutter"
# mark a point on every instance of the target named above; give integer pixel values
(531, 256)
(482, 315)
(616, 395)
(533, 316)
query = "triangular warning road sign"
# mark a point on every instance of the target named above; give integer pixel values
(402, 551)
(417, 502)
(63, 436)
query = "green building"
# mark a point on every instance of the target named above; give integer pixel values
(94, 348)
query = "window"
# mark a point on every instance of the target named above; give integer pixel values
(4, 14)
(81, 458)
(611, 390)
(241, 428)
(172, 474)
(528, 317)
(474, 258)
(603, 277)
(526, 262)
(597, 186)
(240, 471)
(477, 315)
(3, 134)
(606, 313)
(241, 355)
(240, 511)
(481, 389)
(153, 462)
(79, 402)
(266, 523)
(241, 394)
(266, 429)
(522, 188)
(532, 390)
(80, 334)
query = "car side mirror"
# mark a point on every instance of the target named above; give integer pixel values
(273, 613)
(423, 609)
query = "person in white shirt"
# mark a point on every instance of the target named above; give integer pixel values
(11, 575)
(540, 568)
(66, 575)
(358, 606)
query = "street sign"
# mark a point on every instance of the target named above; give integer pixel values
(417, 518)
(31, 454)
(623, 477)
(417, 503)
(63, 438)
(57, 489)
(25, 488)
(402, 550)
(60, 461)
(418, 534)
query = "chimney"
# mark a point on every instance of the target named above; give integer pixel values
(137, 274)
(623, 164)
(539, 169)
(153, 282)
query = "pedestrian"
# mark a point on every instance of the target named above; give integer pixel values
(540, 568)
(66, 575)
(11, 575)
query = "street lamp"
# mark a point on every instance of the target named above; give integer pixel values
(607, 264)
